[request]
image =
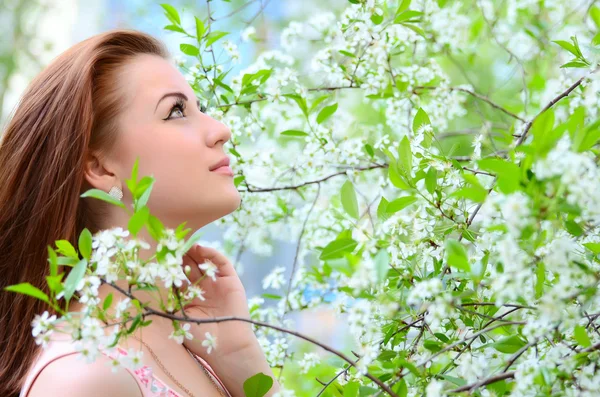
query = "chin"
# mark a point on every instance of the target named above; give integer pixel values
(227, 204)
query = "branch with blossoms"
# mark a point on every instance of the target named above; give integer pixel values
(149, 312)
(109, 256)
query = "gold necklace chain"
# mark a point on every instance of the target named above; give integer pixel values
(160, 364)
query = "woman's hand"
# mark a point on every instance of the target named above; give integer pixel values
(224, 296)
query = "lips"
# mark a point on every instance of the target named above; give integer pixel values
(224, 162)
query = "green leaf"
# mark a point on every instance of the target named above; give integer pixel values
(85, 243)
(257, 385)
(545, 135)
(74, 278)
(138, 220)
(238, 179)
(132, 181)
(457, 255)
(194, 238)
(509, 345)
(382, 213)
(421, 118)
(326, 112)
(65, 248)
(66, 261)
(294, 133)
(212, 37)
(382, 264)
(586, 138)
(404, 4)
(595, 15)
(576, 121)
(408, 16)
(399, 204)
(395, 177)
(301, 101)
(543, 124)
(376, 19)
(575, 64)
(317, 101)
(351, 389)
(53, 260)
(567, 46)
(509, 174)
(573, 228)
(155, 227)
(271, 296)
(54, 283)
(175, 28)
(337, 248)
(594, 247)
(102, 195)
(189, 49)
(143, 190)
(346, 53)
(431, 180)
(540, 275)
(457, 381)
(171, 13)
(405, 158)
(28, 289)
(144, 184)
(107, 301)
(137, 320)
(432, 345)
(200, 29)
(349, 201)
(581, 336)
(476, 194)
(400, 388)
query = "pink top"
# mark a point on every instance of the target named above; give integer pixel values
(150, 385)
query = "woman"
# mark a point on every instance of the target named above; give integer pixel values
(81, 124)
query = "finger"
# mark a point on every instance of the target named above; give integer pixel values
(200, 254)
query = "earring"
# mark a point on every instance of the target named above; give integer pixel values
(116, 192)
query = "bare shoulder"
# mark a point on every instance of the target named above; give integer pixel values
(71, 376)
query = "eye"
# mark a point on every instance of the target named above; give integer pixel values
(177, 108)
(202, 107)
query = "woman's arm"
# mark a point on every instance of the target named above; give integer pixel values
(234, 369)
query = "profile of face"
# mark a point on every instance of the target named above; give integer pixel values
(162, 124)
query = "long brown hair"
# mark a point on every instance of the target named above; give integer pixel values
(68, 110)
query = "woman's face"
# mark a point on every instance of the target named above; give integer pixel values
(177, 146)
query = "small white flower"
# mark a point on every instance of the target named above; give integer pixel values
(122, 306)
(42, 324)
(210, 269)
(274, 279)
(133, 359)
(193, 292)
(309, 361)
(181, 334)
(434, 389)
(248, 33)
(210, 342)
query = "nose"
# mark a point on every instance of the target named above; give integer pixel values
(219, 132)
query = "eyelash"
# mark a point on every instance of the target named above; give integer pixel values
(180, 104)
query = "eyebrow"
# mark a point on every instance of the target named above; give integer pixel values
(175, 94)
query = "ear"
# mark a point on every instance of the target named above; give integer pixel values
(98, 172)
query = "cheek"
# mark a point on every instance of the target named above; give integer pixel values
(172, 156)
